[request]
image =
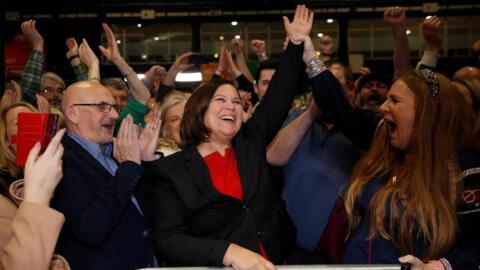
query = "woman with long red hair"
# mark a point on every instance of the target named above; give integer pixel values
(402, 195)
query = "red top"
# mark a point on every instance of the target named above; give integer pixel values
(225, 177)
(224, 173)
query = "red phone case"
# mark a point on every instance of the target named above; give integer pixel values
(33, 128)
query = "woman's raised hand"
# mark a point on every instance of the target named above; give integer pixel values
(301, 25)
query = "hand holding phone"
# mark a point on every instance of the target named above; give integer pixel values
(33, 128)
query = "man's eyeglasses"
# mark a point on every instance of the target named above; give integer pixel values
(103, 106)
(52, 90)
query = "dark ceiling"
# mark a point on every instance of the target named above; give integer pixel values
(196, 5)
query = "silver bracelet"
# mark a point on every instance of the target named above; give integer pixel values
(445, 263)
(314, 67)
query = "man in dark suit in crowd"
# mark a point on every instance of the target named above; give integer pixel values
(102, 195)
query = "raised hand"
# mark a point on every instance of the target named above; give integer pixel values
(42, 104)
(247, 106)
(155, 73)
(181, 63)
(230, 64)
(72, 46)
(222, 61)
(476, 46)
(301, 25)
(43, 173)
(149, 137)
(126, 145)
(258, 46)
(18, 90)
(395, 16)
(86, 55)
(111, 52)
(326, 45)
(237, 45)
(365, 70)
(431, 33)
(7, 99)
(33, 36)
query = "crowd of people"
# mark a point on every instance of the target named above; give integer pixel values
(373, 170)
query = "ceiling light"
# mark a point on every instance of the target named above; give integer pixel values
(329, 20)
(156, 38)
(119, 41)
(234, 23)
(320, 35)
(189, 77)
(408, 32)
(139, 25)
(221, 38)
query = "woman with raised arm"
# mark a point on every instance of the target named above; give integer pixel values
(402, 194)
(9, 170)
(28, 234)
(214, 202)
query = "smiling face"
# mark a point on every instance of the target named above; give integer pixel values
(89, 122)
(224, 114)
(399, 113)
(173, 119)
(52, 91)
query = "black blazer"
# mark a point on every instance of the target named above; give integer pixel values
(193, 223)
(103, 228)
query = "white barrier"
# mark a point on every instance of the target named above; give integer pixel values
(299, 267)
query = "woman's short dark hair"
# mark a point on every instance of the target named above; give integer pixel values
(193, 129)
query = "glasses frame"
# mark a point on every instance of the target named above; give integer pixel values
(102, 106)
(49, 90)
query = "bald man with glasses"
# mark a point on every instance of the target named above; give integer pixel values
(102, 193)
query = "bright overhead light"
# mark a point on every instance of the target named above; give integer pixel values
(320, 35)
(189, 77)
(329, 20)
(408, 32)
(237, 36)
(156, 38)
(119, 41)
(215, 55)
(428, 17)
(144, 56)
(139, 25)
(221, 37)
(234, 23)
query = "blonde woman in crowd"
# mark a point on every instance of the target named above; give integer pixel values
(171, 110)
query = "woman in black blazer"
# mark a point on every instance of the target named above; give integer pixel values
(194, 223)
